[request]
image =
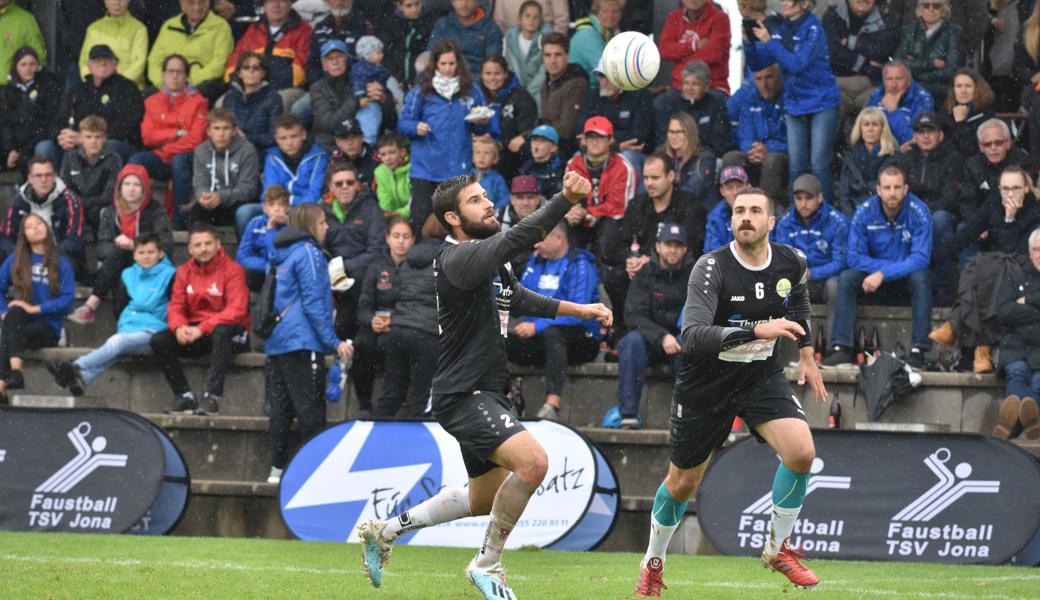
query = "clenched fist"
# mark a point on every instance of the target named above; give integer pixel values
(575, 187)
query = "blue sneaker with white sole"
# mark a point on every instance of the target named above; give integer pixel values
(491, 581)
(375, 551)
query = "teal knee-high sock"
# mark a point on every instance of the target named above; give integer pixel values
(663, 522)
(788, 488)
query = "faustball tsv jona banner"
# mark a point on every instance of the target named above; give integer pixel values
(86, 470)
(953, 498)
(361, 470)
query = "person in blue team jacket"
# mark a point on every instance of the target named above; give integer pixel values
(257, 243)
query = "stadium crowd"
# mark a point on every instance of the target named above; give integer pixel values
(888, 134)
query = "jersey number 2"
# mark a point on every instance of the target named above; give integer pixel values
(760, 290)
(507, 421)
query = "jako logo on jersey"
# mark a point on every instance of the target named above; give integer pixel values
(736, 299)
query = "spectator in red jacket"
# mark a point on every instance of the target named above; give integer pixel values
(174, 123)
(286, 50)
(208, 316)
(697, 31)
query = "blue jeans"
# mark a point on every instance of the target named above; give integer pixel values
(370, 117)
(1021, 381)
(244, 214)
(634, 355)
(180, 170)
(915, 288)
(636, 159)
(92, 365)
(810, 144)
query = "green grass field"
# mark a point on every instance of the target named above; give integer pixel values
(34, 565)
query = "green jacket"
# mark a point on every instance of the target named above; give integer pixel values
(207, 48)
(128, 39)
(18, 28)
(394, 188)
(918, 51)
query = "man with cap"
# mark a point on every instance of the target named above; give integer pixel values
(708, 110)
(332, 99)
(719, 231)
(630, 112)
(343, 24)
(351, 148)
(524, 199)
(545, 163)
(820, 231)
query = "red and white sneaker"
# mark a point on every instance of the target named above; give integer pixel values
(83, 315)
(650, 581)
(786, 562)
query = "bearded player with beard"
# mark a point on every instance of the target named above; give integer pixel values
(741, 299)
(476, 294)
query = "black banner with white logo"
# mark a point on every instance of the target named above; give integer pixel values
(954, 498)
(77, 470)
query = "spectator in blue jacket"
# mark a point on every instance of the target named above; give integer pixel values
(820, 231)
(257, 243)
(762, 136)
(295, 366)
(811, 95)
(860, 39)
(902, 100)
(559, 271)
(344, 24)
(890, 245)
(255, 103)
(485, 160)
(473, 29)
(707, 110)
(719, 231)
(295, 163)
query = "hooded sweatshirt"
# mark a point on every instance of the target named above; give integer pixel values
(209, 295)
(148, 217)
(149, 291)
(233, 172)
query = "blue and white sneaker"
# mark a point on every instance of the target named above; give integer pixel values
(375, 551)
(491, 581)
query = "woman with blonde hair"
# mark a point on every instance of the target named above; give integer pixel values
(869, 145)
(693, 163)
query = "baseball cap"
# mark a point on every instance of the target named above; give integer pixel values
(600, 125)
(928, 120)
(548, 132)
(333, 46)
(348, 128)
(733, 172)
(101, 51)
(671, 232)
(524, 184)
(807, 183)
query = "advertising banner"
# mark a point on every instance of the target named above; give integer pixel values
(953, 498)
(172, 500)
(86, 470)
(361, 470)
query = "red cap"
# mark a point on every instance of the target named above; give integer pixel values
(600, 125)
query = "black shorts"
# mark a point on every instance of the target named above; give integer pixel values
(480, 422)
(701, 425)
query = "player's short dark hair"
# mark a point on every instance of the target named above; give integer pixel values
(892, 169)
(555, 38)
(665, 160)
(147, 237)
(754, 191)
(446, 196)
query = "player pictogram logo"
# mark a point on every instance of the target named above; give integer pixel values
(89, 458)
(949, 489)
(764, 504)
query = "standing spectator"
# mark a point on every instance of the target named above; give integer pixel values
(811, 94)
(592, 33)
(699, 31)
(332, 98)
(631, 113)
(967, 106)
(226, 172)
(406, 34)
(201, 36)
(860, 40)
(352, 149)
(343, 24)
(996, 152)
(523, 47)
(870, 145)
(438, 105)
(131, 214)
(561, 95)
(1018, 308)
(545, 164)
(820, 231)
(1006, 20)
(257, 241)
(719, 229)
(485, 159)
(92, 169)
(890, 242)
(125, 35)
(901, 99)
(208, 317)
(707, 110)
(18, 28)
(40, 280)
(47, 196)
(255, 104)
(560, 271)
(174, 124)
(516, 112)
(1027, 70)
(27, 108)
(694, 164)
(295, 367)
(367, 73)
(295, 163)
(762, 136)
(932, 47)
(555, 13)
(393, 176)
(473, 31)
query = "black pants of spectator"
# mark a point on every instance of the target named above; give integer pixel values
(555, 349)
(422, 202)
(21, 332)
(411, 360)
(368, 360)
(221, 215)
(219, 347)
(255, 280)
(770, 174)
(109, 273)
(295, 388)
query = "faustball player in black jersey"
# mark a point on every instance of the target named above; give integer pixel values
(476, 294)
(741, 299)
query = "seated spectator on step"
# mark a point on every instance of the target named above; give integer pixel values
(125, 35)
(47, 196)
(255, 104)
(91, 169)
(207, 318)
(41, 284)
(516, 111)
(996, 151)
(1018, 309)
(718, 231)
(472, 27)
(295, 163)
(631, 113)
(523, 44)
(901, 99)
(174, 124)
(707, 110)
(762, 136)
(406, 34)
(652, 308)
(343, 24)
(932, 47)
(147, 284)
(698, 30)
(226, 173)
(332, 99)
(545, 164)
(28, 104)
(19, 28)
(968, 105)
(557, 270)
(352, 149)
(555, 14)
(256, 245)
(694, 164)
(562, 92)
(201, 36)
(860, 39)
(871, 144)
(130, 213)
(377, 92)
(591, 34)
(485, 159)
(392, 177)
(524, 199)
(820, 231)
(890, 244)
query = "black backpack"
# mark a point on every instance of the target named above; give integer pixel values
(266, 319)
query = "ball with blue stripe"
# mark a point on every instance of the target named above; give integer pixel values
(631, 60)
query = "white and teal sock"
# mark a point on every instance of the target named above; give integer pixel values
(510, 502)
(448, 505)
(664, 520)
(788, 494)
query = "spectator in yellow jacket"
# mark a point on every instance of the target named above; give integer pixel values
(125, 35)
(201, 36)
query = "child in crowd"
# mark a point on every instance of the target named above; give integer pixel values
(523, 49)
(368, 68)
(257, 242)
(544, 163)
(91, 169)
(393, 181)
(352, 148)
(226, 172)
(485, 157)
(147, 284)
